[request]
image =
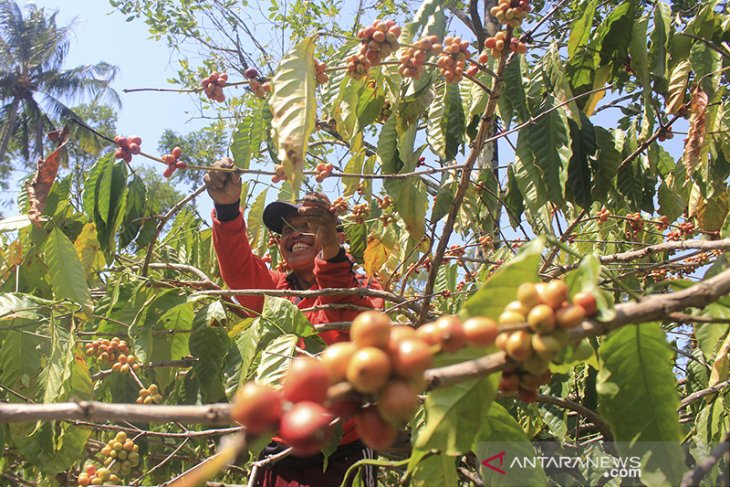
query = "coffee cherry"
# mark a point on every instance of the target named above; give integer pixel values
(397, 335)
(429, 333)
(511, 318)
(306, 380)
(335, 358)
(570, 317)
(305, 427)
(527, 295)
(501, 341)
(480, 331)
(554, 293)
(374, 431)
(452, 334)
(541, 319)
(251, 73)
(587, 301)
(546, 346)
(517, 307)
(368, 370)
(509, 382)
(257, 407)
(371, 329)
(412, 358)
(398, 401)
(519, 345)
(535, 365)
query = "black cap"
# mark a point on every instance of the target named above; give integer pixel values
(274, 212)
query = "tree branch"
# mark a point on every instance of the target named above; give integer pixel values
(693, 477)
(704, 392)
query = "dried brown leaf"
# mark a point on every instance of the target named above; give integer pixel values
(45, 176)
(697, 131)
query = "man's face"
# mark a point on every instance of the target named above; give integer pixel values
(298, 245)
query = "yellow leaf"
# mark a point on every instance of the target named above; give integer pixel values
(376, 254)
(696, 134)
(294, 108)
(599, 81)
(88, 249)
(721, 366)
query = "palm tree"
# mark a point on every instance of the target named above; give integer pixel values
(33, 80)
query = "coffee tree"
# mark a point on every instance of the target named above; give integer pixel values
(540, 188)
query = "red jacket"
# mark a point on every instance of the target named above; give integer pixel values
(242, 269)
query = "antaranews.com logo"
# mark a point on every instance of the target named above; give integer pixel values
(551, 463)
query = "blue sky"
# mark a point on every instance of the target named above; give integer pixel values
(102, 34)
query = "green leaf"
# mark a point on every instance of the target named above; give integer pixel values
(607, 163)
(501, 287)
(353, 166)
(446, 122)
(92, 182)
(276, 359)
(52, 447)
(410, 199)
(614, 34)
(283, 317)
(65, 270)
(637, 392)
(428, 470)
(455, 414)
(639, 52)
(249, 134)
(388, 148)
(256, 229)
(502, 433)
(513, 200)
(210, 345)
(20, 362)
(580, 31)
(57, 371)
(658, 47)
(630, 184)
(552, 66)
(171, 345)
(294, 107)
(514, 101)
(580, 177)
(104, 194)
(425, 12)
(134, 211)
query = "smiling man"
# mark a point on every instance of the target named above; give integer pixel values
(311, 245)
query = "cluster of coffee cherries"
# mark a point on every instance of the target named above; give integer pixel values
(413, 59)
(494, 46)
(324, 170)
(684, 230)
(213, 86)
(296, 411)
(635, 224)
(452, 58)
(384, 202)
(378, 41)
(173, 161)
(121, 454)
(114, 352)
(258, 88)
(511, 12)
(127, 147)
(149, 395)
(545, 308)
(339, 206)
(320, 70)
(360, 212)
(97, 476)
(603, 215)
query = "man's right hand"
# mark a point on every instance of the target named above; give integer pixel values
(223, 187)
